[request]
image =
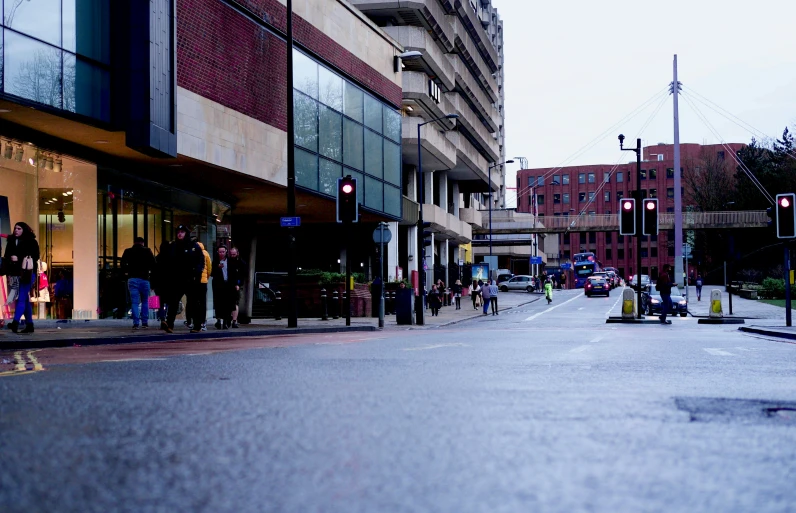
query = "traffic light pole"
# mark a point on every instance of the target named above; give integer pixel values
(788, 320)
(292, 310)
(421, 303)
(639, 211)
(347, 302)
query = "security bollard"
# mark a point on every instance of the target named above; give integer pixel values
(628, 304)
(325, 315)
(715, 304)
(335, 305)
(278, 306)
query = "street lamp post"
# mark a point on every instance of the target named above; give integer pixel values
(637, 195)
(493, 164)
(420, 306)
(292, 312)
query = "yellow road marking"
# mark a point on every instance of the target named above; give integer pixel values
(20, 364)
(19, 360)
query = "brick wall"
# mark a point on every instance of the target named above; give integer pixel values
(229, 59)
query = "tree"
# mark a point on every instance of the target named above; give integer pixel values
(39, 79)
(709, 182)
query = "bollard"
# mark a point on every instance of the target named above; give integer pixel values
(335, 305)
(715, 303)
(628, 304)
(278, 306)
(343, 300)
(325, 315)
(392, 302)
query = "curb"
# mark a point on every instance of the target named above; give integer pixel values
(22, 344)
(720, 321)
(767, 332)
(478, 316)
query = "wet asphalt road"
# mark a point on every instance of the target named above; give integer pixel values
(543, 408)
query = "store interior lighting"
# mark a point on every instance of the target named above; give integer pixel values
(57, 166)
(19, 153)
(9, 151)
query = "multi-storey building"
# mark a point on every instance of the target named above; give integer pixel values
(597, 189)
(121, 119)
(455, 67)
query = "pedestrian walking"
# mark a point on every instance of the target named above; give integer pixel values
(199, 303)
(239, 276)
(699, 287)
(19, 263)
(548, 291)
(475, 293)
(223, 289)
(434, 300)
(664, 288)
(486, 294)
(138, 262)
(493, 297)
(180, 269)
(457, 294)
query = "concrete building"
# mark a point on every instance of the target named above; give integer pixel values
(597, 189)
(121, 119)
(458, 69)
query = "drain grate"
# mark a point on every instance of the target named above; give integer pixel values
(717, 409)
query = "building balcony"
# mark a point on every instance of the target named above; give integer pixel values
(411, 211)
(470, 54)
(438, 150)
(479, 36)
(470, 216)
(484, 105)
(415, 93)
(446, 226)
(470, 122)
(409, 12)
(470, 166)
(434, 61)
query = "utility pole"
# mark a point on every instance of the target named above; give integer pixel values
(292, 309)
(678, 200)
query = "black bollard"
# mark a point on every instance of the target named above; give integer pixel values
(335, 305)
(323, 305)
(278, 306)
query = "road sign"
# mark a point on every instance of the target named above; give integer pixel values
(686, 250)
(461, 263)
(566, 266)
(377, 235)
(536, 260)
(289, 222)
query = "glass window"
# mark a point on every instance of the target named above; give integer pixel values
(620, 177)
(606, 176)
(540, 199)
(374, 193)
(591, 177)
(530, 199)
(670, 192)
(653, 173)
(566, 198)
(306, 121)
(540, 181)
(360, 178)
(619, 195)
(608, 237)
(581, 197)
(373, 110)
(330, 90)
(591, 196)
(556, 180)
(581, 177)
(329, 173)
(620, 253)
(40, 19)
(392, 163)
(653, 193)
(392, 200)
(86, 88)
(353, 102)
(607, 195)
(565, 179)
(93, 38)
(330, 133)
(556, 198)
(32, 70)
(392, 124)
(352, 144)
(592, 213)
(373, 154)
(305, 74)
(531, 181)
(306, 169)
(643, 174)
(608, 253)
(669, 172)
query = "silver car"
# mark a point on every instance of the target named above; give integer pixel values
(519, 282)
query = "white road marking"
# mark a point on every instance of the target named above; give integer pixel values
(595, 339)
(608, 314)
(581, 308)
(552, 308)
(134, 360)
(580, 349)
(434, 347)
(717, 352)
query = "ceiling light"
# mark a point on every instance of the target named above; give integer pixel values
(5, 111)
(57, 166)
(409, 109)
(69, 193)
(101, 141)
(64, 194)
(9, 152)
(32, 161)
(19, 154)
(48, 163)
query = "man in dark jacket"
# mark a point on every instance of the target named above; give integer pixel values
(664, 288)
(138, 262)
(239, 274)
(180, 268)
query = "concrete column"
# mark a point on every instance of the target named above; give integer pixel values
(411, 190)
(428, 187)
(430, 261)
(414, 261)
(457, 199)
(85, 276)
(443, 257)
(443, 191)
(392, 252)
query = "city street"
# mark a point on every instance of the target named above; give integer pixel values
(542, 408)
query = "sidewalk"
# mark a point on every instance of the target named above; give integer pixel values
(50, 333)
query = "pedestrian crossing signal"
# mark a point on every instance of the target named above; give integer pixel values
(786, 216)
(627, 216)
(649, 224)
(347, 205)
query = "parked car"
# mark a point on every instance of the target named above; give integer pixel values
(519, 282)
(503, 275)
(645, 282)
(596, 285)
(651, 301)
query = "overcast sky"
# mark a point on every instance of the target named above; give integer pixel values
(575, 68)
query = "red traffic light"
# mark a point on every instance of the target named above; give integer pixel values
(784, 203)
(627, 205)
(651, 205)
(348, 188)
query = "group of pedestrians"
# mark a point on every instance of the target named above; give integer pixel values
(183, 268)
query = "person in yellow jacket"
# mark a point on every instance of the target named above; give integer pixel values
(196, 311)
(548, 291)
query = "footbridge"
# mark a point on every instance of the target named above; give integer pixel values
(610, 222)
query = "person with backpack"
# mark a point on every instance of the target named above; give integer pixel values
(664, 288)
(699, 287)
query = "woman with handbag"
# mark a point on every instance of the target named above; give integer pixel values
(20, 263)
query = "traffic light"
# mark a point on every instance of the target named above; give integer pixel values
(786, 216)
(627, 216)
(347, 206)
(426, 237)
(649, 221)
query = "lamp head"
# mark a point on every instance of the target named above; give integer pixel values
(509, 162)
(621, 140)
(452, 116)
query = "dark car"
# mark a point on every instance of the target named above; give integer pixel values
(651, 302)
(596, 285)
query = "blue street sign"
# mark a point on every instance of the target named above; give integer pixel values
(566, 266)
(289, 222)
(536, 260)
